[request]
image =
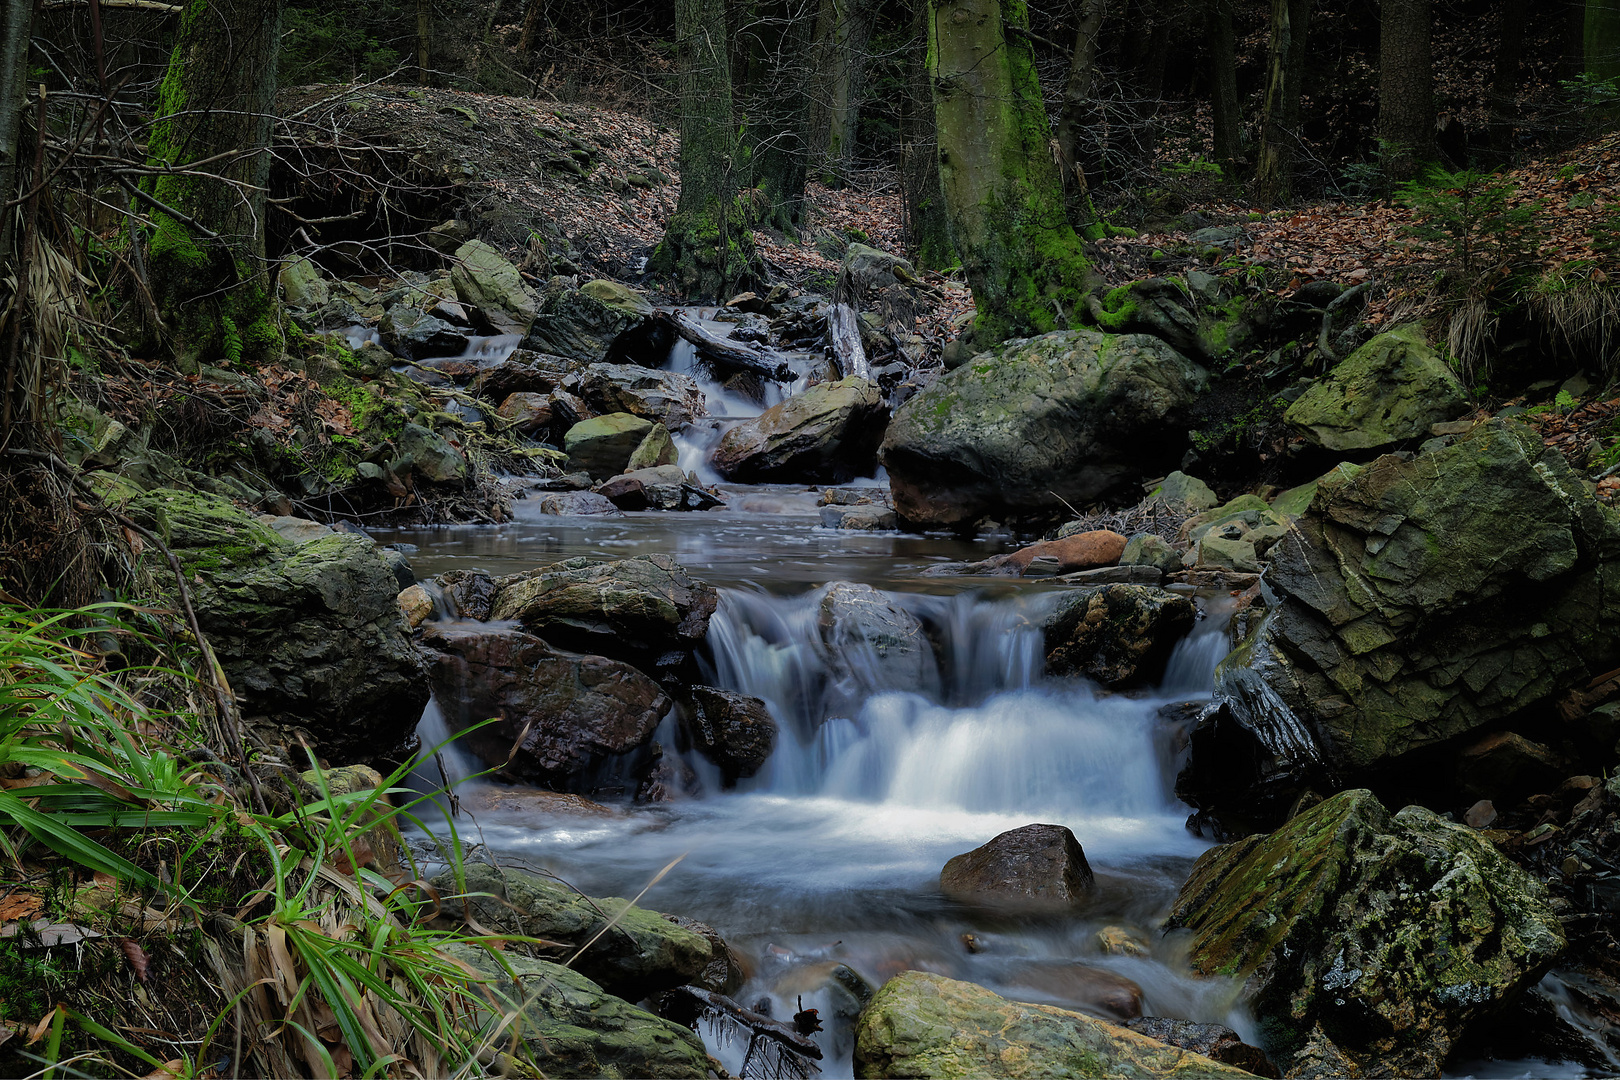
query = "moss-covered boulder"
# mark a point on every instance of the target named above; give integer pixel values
(576, 1029)
(1118, 634)
(1368, 940)
(1203, 323)
(627, 608)
(310, 635)
(1065, 416)
(576, 325)
(1424, 598)
(603, 445)
(642, 954)
(828, 434)
(924, 1025)
(1389, 391)
(484, 279)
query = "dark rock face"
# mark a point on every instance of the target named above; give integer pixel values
(564, 713)
(1426, 598)
(310, 635)
(734, 731)
(1035, 867)
(827, 434)
(577, 326)
(1067, 415)
(416, 335)
(1213, 1041)
(626, 608)
(1370, 943)
(1118, 634)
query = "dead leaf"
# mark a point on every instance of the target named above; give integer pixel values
(20, 905)
(139, 962)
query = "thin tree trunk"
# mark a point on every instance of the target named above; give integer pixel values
(1405, 88)
(1223, 96)
(531, 25)
(1003, 194)
(16, 26)
(1279, 123)
(775, 104)
(928, 235)
(424, 29)
(847, 86)
(707, 247)
(1601, 42)
(1504, 92)
(1075, 111)
(217, 102)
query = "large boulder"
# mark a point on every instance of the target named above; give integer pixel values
(1036, 867)
(828, 434)
(1065, 416)
(643, 954)
(310, 635)
(925, 1025)
(561, 715)
(1424, 598)
(872, 643)
(733, 730)
(1389, 391)
(629, 608)
(484, 279)
(416, 335)
(664, 397)
(603, 445)
(1117, 634)
(1370, 944)
(572, 323)
(430, 456)
(577, 1028)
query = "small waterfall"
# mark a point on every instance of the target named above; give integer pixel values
(458, 764)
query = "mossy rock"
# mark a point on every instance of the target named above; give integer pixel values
(1389, 391)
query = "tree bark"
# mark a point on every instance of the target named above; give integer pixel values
(1405, 88)
(1003, 195)
(775, 104)
(16, 26)
(215, 110)
(928, 233)
(1223, 92)
(708, 247)
(424, 30)
(846, 86)
(1504, 92)
(1074, 113)
(1279, 122)
(1601, 41)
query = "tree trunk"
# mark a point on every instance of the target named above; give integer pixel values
(215, 108)
(424, 29)
(1003, 195)
(1075, 112)
(1504, 92)
(16, 25)
(775, 104)
(928, 235)
(1223, 91)
(1601, 42)
(707, 248)
(1405, 88)
(1279, 122)
(846, 86)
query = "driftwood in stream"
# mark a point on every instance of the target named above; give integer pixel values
(844, 334)
(725, 352)
(774, 1050)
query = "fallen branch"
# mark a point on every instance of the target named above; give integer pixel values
(844, 334)
(758, 1023)
(725, 352)
(1339, 301)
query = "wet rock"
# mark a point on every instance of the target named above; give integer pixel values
(1036, 867)
(925, 1025)
(870, 517)
(1114, 575)
(649, 604)
(1118, 941)
(1389, 391)
(1215, 552)
(1179, 489)
(468, 594)
(526, 372)
(603, 445)
(532, 802)
(726, 973)
(624, 492)
(528, 413)
(485, 280)
(310, 635)
(1077, 551)
(430, 455)
(1505, 764)
(1334, 919)
(416, 335)
(1146, 549)
(1117, 635)
(1092, 990)
(654, 450)
(734, 731)
(1213, 1041)
(415, 605)
(580, 1030)
(1205, 327)
(1422, 599)
(872, 644)
(827, 434)
(664, 397)
(571, 711)
(575, 325)
(1069, 415)
(577, 504)
(619, 297)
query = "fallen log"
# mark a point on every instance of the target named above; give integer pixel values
(724, 352)
(844, 334)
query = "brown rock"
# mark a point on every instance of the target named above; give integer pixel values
(1090, 989)
(1082, 551)
(1481, 815)
(726, 973)
(734, 731)
(1505, 763)
(529, 413)
(415, 605)
(1118, 634)
(532, 801)
(1037, 866)
(625, 492)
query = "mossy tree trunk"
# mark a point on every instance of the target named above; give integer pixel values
(1279, 121)
(1223, 91)
(708, 248)
(928, 232)
(1601, 42)
(1405, 88)
(215, 111)
(1003, 195)
(1074, 113)
(775, 103)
